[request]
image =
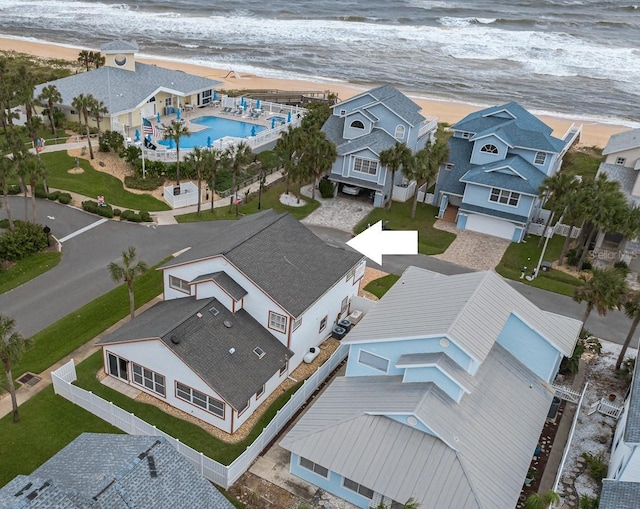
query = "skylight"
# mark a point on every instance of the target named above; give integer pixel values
(259, 352)
(214, 311)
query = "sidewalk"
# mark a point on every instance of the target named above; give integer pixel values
(25, 392)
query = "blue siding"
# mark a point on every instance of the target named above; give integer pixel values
(392, 350)
(478, 157)
(351, 133)
(479, 195)
(518, 234)
(333, 484)
(462, 221)
(530, 348)
(433, 374)
(530, 156)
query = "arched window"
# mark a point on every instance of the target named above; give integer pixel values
(357, 124)
(399, 132)
(489, 149)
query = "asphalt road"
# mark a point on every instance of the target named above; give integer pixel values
(82, 274)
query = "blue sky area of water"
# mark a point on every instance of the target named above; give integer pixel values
(216, 128)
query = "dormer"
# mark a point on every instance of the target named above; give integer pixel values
(488, 149)
(357, 124)
(120, 55)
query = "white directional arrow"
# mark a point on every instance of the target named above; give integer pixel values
(374, 242)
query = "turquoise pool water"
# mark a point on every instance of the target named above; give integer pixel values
(217, 128)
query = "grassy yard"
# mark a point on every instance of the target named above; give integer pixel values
(270, 200)
(527, 254)
(92, 183)
(430, 240)
(584, 162)
(187, 432)
(28, 268)
(380, 286)
(67, 334)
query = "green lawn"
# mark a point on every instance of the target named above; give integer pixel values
(92, 183)
(584, 163)
(380, 286)
(68, 333)
(430, 240)
(28, 268)
(186, 432)
(270, 200)
(527, 254)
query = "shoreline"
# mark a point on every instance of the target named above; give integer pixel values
(595, 132)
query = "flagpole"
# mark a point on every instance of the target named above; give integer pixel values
(144, 137)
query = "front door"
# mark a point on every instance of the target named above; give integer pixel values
(118, 367)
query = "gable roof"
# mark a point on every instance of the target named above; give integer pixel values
(393, 99)
(620, 142)
(470, 309)
(527, 181)
(625, 176)
(477, 456)
(122, 90)
(280, 255)
(236, 377)
(224, 281)
(105, 471)
(119, 46)
(512, 123)
(459, 157)
(619, 494)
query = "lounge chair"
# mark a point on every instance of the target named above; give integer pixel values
(226, 109)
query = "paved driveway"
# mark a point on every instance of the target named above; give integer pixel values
(340, 213)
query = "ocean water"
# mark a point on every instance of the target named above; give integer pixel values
(574, 57)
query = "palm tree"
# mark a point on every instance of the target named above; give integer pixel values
(542, 500)
(51, 96)
(175, 131)
(196, 160)
(7, 171)
(34, 171)
(553, 190)
(319, 156)
(213, 159)
(83, 103)
(12, 347)
(286, 149)
(128, 272)
(97, 110)
(632, 310)
(26, 81)
(604, 290)
(84, 58)
(394, 158)
(97, 59)
(423, 167)
(237, 156)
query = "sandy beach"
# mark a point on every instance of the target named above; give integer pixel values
(594, 133)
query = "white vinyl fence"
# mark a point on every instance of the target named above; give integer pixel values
(217, 473)
(558, 229)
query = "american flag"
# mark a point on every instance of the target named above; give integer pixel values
(149, 128)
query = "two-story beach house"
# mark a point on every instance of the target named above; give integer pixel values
(239, 313)
(446, 391)
(499, 156)
(622, 164)
(131, 90)
(364, 126)
(621, 488)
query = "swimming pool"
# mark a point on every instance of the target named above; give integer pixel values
(217, 128)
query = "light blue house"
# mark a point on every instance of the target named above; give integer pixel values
(499, 156)
(365, 125)
(446, 391)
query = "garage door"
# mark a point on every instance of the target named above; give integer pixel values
(491, 226)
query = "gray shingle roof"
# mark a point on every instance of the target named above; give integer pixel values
(377, 141)
(278, 253)
(119, 46)
(107, 471)
(622, 141)
(493, 175)
(632, 428)
(466, 207)
(479, 452)
(459, 156)
(123, 90)
(625, 176)
(225, 282)
(397, 102)
(470, 309)
(619, 495)
(236, 377)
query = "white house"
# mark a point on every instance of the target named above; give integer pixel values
(239, 313)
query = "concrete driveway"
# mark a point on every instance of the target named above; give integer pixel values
(341, 213)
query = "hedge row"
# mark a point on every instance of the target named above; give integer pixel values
(107, 211)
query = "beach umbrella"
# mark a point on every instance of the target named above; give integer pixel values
(258, 104)
(244, 106)
(242, 101)
(215, 95)
(178, 114)
(209, 141)
(137, 135)
(158, 116)
(273, 122)
(253, 131)
(289, 117)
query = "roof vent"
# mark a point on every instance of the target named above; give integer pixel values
(232, 350)
(153, 472)
(259, 352)
(227, 324)
(214, 311)
(175, 340)
(199, 315)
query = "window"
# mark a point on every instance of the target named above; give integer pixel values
(465, 135)
(505, 197)
(284, 368)
(357, 124)
(541, 157)
(259, 352)
(323, 324)
(489, 149)
(206, 93)
(344, 305)
(167, 101)
(277, 322)
(260, 392)
(399, 132)
(351, 274)
(149, 379)
(199, 399)
(179, 284)
(296, 323)
(448, 166)
(358, 488)
(365, 166)
(314, 467)
(343, 113)
(621, 161)
(373, 361)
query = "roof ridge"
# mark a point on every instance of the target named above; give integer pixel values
(273, 221)
(473, 294)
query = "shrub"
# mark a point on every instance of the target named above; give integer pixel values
(25, 239)
(12, 190)
(573, 256)
(570, 365)
(593, 344)
(40, 193)
(587, 265)
(326, 188)
(103, 144)
(626, 369)
(587, 502)
(147, 184)
(54, 195)
(131, 154)
(125, 214)
(596, 466)
(64, 198)
(145, 216)
(111, 140)
(622, 267)
(117, 212)
(94, 208)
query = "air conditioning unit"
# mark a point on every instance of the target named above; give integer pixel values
(355, 316)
